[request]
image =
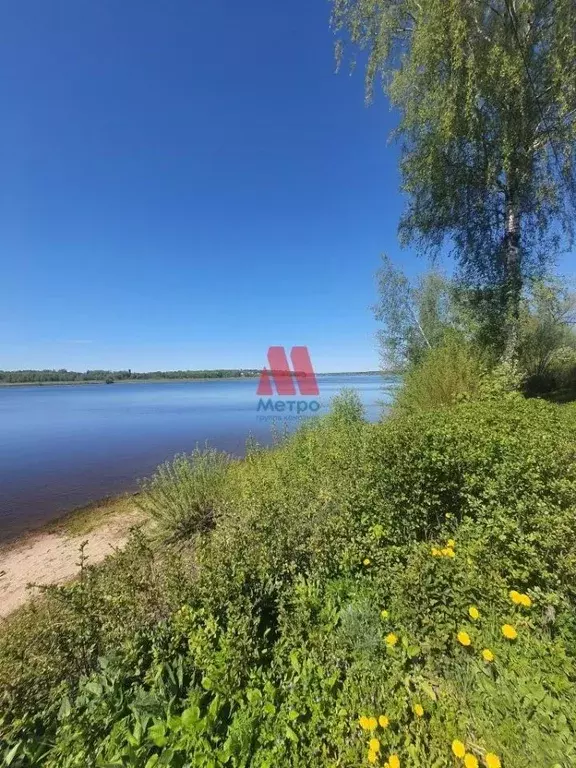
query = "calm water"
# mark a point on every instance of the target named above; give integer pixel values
(64, 446)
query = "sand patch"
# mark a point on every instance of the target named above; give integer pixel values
(52, 556)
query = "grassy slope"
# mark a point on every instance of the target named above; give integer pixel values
(326, 593)
(84, 520)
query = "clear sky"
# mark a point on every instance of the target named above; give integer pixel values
(184, 183)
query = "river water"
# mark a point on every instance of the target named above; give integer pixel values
(65, 446)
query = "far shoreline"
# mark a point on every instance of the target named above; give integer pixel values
(119, 381)
(9, 384)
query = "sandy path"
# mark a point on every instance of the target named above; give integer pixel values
(52, 557)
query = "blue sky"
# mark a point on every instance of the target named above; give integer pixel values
(185, 183)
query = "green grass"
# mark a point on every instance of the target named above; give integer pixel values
(317, 599)
(86, 519)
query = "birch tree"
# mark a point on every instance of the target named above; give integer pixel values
(415, 316)
(486, 92)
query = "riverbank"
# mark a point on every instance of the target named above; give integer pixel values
(62, 447)
(250, 376)
(412, 577)
(50, 555)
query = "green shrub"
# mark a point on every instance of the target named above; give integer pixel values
(547, 343)
(54, 641)
(507, 468)
(346, 408)
(328, 590)
(182, 496)
(557, 380)
(447, 374)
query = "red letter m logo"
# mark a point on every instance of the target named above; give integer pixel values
(283, 377)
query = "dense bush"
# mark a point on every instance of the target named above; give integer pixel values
(355, 587)
(557, 379)
(447, 374)
(183, 495)
(547, 342)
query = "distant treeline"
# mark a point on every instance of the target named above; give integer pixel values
(62, 375)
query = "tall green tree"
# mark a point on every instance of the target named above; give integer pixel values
(416, 317)
(486, 91)
(547, 322)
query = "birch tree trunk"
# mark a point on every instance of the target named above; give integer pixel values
(513, 281)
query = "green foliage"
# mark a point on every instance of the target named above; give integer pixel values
(503, 468)
(416, 318)
(547, 342)
(487, 99)
(449, 373)
(346, 410)
(183, 495)
(340, 570)
(51, 376)
(502, 380)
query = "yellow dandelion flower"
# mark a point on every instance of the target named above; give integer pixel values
(464, 638)
(364, 723)
(449, 552)
(458, 748)
(366, 561)
(394, 761)
(451, 543)
(470, 761)
(418, 710)
(372, 723)
(473, 612)
(516, 597)
(383, 721)
(374, 745)
(372, 756)
(487, 655)
(384, 615)
(492, 760)
(509, 632)
(525, 601)
(436, 552)
(391, 639)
